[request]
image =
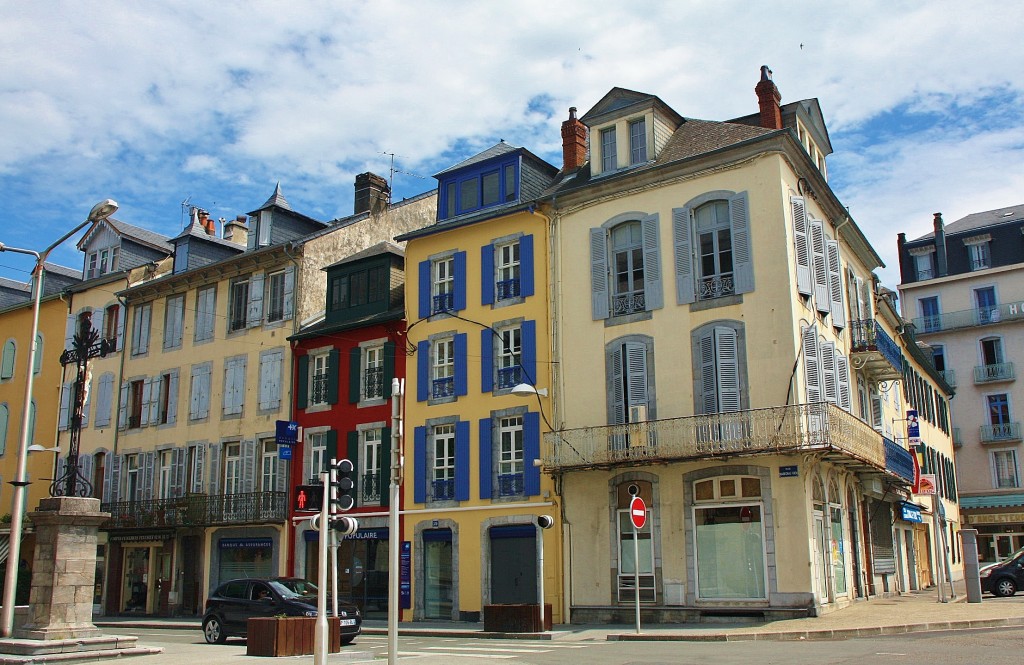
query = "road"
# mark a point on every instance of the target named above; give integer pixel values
(968, 647)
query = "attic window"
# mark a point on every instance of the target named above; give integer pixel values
(101, 262)
(478, 188)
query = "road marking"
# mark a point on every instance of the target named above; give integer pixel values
(497, 649)
(496, 656)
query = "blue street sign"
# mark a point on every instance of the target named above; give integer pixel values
(789, 471)
(284, 452)
(287, 432)
(913, 428)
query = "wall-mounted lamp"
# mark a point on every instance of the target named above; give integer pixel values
(525, 390)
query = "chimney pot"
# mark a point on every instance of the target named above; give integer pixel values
(574, 142)
(768, 98)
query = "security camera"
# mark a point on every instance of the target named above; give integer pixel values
(545, 521)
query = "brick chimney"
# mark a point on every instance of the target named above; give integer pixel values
(207, 223)
(768, 98)
(237, 231)
(574, 142)
(941, 265)
(372, 193)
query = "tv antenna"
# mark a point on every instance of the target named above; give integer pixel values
(391, 177)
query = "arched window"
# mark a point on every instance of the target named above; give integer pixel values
(837, 547)
(37, 364)
(627, 265)
(4, 419)
(729, 534)
(7, 364)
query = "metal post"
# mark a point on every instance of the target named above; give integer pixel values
(540, 576)
(636, 573)
(394, 537)
(320, 634)
(937, 540)
(334, 572)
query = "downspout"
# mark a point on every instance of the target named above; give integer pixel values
(289, 533)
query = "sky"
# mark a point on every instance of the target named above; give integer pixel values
(164, 105)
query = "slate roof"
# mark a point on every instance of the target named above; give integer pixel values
(16, 285)
(981, 220)
(323, 327)
(276, 199)
(137, 233)
(385, 247)
(196, 230)
(63, 270)
(496, 150)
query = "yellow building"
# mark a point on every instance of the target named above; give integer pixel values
(477, 306)
(719, 353)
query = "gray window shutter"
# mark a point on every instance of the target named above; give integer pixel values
(248, 465)
(812, 370)
(866, 305)
(708, 377)
(200, 468)
(828, 371)
(196, 391)
(742, 259)
(121, 316)
(851, 294)
(69, 331)
(114, 475)
(618, 414)
(107, 471)
(86, 462)
(85, 407)
(270, 379)
(204, 390)
(178, 463)
(728, 374)
(802, 244)
(255, 317)
(146, 315)
(282, 475)
(835, 284)
(97, 320)
(216, 452)
(289, 292)
(653, 294)
(843, 379)
(122, 408)
(147, 392)
(228, 397)
(599, 287)
(65, 407)
(636, 367)
(104, 399)
(876, 408)
(172, 398)
(682, 234)
(822, 298)
(148, 466)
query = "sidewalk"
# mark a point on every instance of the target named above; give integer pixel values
(914, 612)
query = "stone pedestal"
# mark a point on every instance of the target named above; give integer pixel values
(64, 570)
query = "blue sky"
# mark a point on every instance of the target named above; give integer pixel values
(156, 104)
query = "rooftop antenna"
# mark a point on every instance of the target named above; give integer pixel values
(186, 210)
(391, 177)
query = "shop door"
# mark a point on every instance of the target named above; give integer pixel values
(514, 564)
(363, 576)
(922, 552)
(135, 590)
(820, 562)
(192, 574)
(437, 572)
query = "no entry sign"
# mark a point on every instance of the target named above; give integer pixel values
(638, 512)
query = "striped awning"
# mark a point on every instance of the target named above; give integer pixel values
(992, 501)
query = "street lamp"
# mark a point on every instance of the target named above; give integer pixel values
(525, 390)
(100, 211)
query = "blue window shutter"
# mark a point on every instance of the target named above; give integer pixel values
(682, 233)
(528, 354)
(487, 274)
(651, 238)
(486, 361)
(486, 473)
(462, 460)
(425, 287)
(526, 266)
(423, 371)
(459, 296)
(599, 287)
(461, 372)
(419, 491)
(742, 261)
(531, 451)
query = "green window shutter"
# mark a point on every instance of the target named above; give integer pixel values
(302, 383)
(354, 372)
(333, 367)
(332, 447)
(389, 366)
(352, 453)
(384, 472)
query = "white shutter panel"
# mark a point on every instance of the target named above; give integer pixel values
(147, 390)
(822, 299)
(172, 397)
(115, 462)
(146, 487)
(277, 377)
(682, 234)
(88, 467)
(65, 407)
(802, 246)
(122, 408)
(216, 452)
(178, 464)
(179, 319)
(121, 316)
(205, 377)
(228, 398)
(97, 321)
(876, 408)
(835, 284)
(107, 471)
(248, 466)
(864, 299)
(843, 379)
(69, 331)
(743, 261)
(289, 292)
(812, 370)
(828, 371)
(653, 298)
(146, 313)
(708, 375)
(255, 317)
(200, 469)
(599, 287)
(266, 366)
(727, 358)
(104, 400)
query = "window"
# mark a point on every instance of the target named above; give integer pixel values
(609, 159)
(627, 269)
(112, 326)
(630, 370)
(442, 368)
(443, 285)
(99, 469)
(238, 304)
(630, 566)
(923, 264)
(136, 401)
(319, 379)
(140, 329)
(443, 474)
(370, 462)
(719, 356)
(206, 310)
(998, 409)
(712, 248)
(318, 455)
(485, 185)
(271, 368)
(234, 385)
(232, 468)
(638, 141)
(939, 357)
(991, 351)
(358, 288)
(275, 296)
(728, 527)
(163, 398)
(987, 308)
(510, 346)
(174, 321)
(978, 254)
(199, 400)
(508, 353)
(510, 456)
(373, 372)
(102, 262)
(930, 317)
(7, 366)
(165, 479)
(268, 465)
(131, 478)
(1004, 467)
(827, 374)
(508, 271)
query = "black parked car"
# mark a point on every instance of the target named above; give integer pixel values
(1006, 577)
(229, 608)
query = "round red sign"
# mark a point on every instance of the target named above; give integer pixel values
(638, 512)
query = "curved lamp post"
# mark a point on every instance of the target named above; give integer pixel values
(100, 211)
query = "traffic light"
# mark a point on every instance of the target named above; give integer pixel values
(308, 498)
(545, 521)
(342, 485)
(346, 526)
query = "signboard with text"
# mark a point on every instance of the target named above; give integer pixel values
(287, 433)
(913, 427)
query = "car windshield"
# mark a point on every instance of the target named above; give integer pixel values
(288, 589)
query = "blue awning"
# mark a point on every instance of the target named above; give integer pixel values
(898, 460)
(992, 501)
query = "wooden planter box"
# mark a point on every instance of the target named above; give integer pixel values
(289, 636)
(523, 618)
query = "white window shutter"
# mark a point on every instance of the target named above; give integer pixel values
(682, 234)
(289, 292)
(599, 287)
(104, 400)
(742, 257)
(651, 238)
(97, 321)
(178, 463)
(835, 284)
(822, 298)
(122, 410)
(204, 391)
(828, 371)
(146, 313)
(195, 399)
(69, 331)
(248, 465)
(843, 379)
(228, 399)
(255, 316)
(216, 452)
(147, 471)
(264, 398)
(64, 418)
(200, 476)
(865, 302)
(802, 246)
(147, 390)
(727, 360)
(120, 327)
(812, 370)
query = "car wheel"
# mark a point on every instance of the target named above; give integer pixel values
(1005, 587)
(345, 641)
(213, 631)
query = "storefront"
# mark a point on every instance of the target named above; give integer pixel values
(908, 517)
(999, 520)
(363, 560)
(140, 566)
(252, 552)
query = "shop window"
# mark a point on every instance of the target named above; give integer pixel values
(730, 538)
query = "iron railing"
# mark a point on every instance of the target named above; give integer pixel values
(509, 377)
(1000, 433)
(442, 387)
(993, 373)
(319, 388)
(198, 510)
(443, 302)
(970, 318)
(508, 288)
(628, 303)
(444, 489)
(510, 484)
(949, 376)
(785, 429)
(369, 490)
(715, 287)
(868, 335)
(374, 388)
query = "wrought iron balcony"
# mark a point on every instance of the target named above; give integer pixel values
(443, 302)
(369, 489)
(957, 441)
(440, 388)
(509, 377)
(444, 489)
(872, 350)
(508, 288)
(993, 373)
(628, 303)
(949, 376)
(374, 383)
(801, 428)
(510, 484)
(198, 510)
(1000, 433)
(318, 388)
(970, 318)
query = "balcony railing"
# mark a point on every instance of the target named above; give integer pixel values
(993, 373)
(1000, 433)
(443, 302)
(949, 376)
(870, 344)
(441, 388)
(508, 377)
(510, 484)
(198, 510)
(508, 288)
(318, 388)
(628, 303)
(715, 287)
(374, 388)
(820, 427)
(970, 318)
(369, 490)
(444, 489)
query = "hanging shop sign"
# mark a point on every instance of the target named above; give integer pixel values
(910, 512)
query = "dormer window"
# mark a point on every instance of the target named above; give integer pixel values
(477, 189)
(638, 141)
(609, 158)
(101, 262)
